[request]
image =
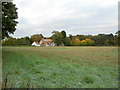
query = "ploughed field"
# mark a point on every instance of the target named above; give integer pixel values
(60, 67)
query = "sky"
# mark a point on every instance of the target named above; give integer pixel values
(74, 16)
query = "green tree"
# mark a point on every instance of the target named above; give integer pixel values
(20, 41)
(64, 36)
(24, 41)
(36, 37)
(106, 42)
(118, 37)
(28, 40)
(57, 37)
(70, 36)
(67, 41)
(9, 41)
(9, 16)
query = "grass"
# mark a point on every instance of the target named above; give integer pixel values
(60, 67)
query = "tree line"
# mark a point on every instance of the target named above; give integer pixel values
(60, 38)
(86, 40)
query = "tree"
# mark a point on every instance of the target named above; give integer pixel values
(83, 43)
(9, 41)
(57, 38)
(67, 41)
(24, 41)
(118, 37)
(19, 41)
(64, 36)
(36, 37)
(106, 42)
(70, 36)
(28, 40)
(9, 16)
(89, 42)
(76, 42)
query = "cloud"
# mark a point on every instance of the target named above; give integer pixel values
(74, 16)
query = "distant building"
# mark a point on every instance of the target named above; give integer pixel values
(47, 42)
(35, 44)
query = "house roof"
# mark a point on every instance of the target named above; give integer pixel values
(47, 40)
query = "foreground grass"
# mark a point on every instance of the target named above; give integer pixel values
(60, 67)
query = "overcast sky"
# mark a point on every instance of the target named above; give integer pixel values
(73, 16)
